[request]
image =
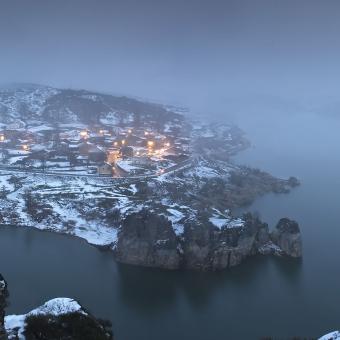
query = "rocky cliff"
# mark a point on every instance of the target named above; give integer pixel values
(147, 239)
(3, 304)
(206, 247)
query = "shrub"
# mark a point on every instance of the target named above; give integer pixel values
(75, 326)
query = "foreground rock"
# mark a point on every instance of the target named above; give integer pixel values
(331, 336)
(3, 304)
(148, 240)
(60, 318)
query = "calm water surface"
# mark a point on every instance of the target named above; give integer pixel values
(264, 296)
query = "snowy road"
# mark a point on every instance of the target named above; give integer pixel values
(174, 168)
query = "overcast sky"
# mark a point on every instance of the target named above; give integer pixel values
(192, 52)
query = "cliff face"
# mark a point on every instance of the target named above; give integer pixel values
(209, 248)
(3, 304)
(148, 240)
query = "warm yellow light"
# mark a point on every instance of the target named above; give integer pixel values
(150, 143)
(123, 141)
(25, 147)
(115, 143)
(2, 138)
(83, 134)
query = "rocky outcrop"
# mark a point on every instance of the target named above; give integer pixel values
(209, 248)
(293, 182)
(3, 304)
(149, 240)
(287, 236)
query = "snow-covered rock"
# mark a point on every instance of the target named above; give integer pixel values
(331, 336)
(17, 325)
(3, 304)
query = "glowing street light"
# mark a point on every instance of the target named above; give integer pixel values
(151, 143)
(115, 143)
(129, 131)
(2, 138)
(25, 147)
(83, 134)
(123, 141)
(146, 133)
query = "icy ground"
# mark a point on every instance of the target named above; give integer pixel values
(94, 208)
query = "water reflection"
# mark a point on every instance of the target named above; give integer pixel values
(146, 290)
(139, 286)
(289, 269)
(141, 301)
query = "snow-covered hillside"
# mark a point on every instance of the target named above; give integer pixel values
(17, 103)
(25, 104)
(150, 164)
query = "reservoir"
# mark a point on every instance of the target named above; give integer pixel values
(265, 296)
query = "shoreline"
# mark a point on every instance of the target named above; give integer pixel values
(247, 184)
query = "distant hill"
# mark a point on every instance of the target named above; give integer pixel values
(29, 102)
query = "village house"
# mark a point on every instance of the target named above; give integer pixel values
(93, 152)
(105, 169)
(96, 154)
(141, 160)
(126, 151)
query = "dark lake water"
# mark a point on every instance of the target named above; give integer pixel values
(263, 297)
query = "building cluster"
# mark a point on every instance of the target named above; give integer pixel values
(112, 151)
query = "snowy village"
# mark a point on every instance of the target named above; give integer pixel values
(103, 150)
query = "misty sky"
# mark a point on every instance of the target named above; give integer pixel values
(192, 52)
